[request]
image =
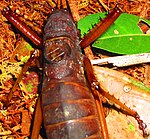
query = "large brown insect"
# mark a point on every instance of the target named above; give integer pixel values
(71, 109)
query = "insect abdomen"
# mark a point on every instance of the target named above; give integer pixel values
(70, 112)
(69, 108)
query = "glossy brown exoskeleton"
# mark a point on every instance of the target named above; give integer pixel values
(69, 110)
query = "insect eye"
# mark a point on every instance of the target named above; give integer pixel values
(56, 51)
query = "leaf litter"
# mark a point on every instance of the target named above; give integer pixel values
(16, 120)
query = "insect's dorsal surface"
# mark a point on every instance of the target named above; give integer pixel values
(69, 109)
(61, 44)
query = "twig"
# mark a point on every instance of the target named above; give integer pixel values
(122, 61)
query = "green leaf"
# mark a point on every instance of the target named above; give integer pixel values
(24, 59)
(29, 47)
(87, 23)
(139, 84)
(132, 127)
(30, 87)
(124, 36)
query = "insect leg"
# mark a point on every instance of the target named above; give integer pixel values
(98, 97)
(25, 68)
(22, 27)
(95, 86)
(100, 28)
(37, 120)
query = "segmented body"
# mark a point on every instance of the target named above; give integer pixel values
(69, 109)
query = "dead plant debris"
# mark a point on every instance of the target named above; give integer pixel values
(15, 121)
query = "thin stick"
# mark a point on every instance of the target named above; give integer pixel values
(122, 61)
